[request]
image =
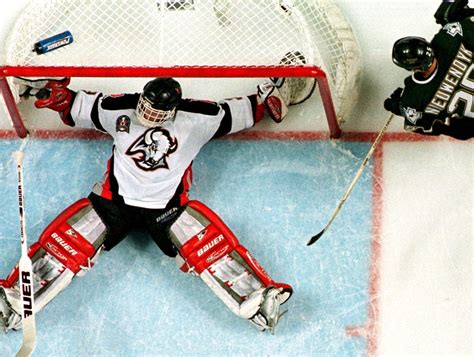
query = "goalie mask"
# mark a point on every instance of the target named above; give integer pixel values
(413, 54)
(158, 102)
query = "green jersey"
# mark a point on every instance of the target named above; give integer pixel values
(448, 94)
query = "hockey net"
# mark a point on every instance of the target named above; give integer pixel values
(189, 38)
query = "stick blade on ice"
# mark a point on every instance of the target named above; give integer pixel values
(315, 237)
(354, 180)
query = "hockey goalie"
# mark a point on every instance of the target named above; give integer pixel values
(156, 136)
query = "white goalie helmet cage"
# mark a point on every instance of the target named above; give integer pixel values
(158, 101)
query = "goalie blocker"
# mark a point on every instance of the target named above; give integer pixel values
(70, 246)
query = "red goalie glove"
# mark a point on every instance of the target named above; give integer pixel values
(56, 96)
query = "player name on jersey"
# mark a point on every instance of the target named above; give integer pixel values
(459, 72)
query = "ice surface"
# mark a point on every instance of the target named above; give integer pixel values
(135, 302)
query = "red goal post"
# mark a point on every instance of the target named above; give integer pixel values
(187, 38)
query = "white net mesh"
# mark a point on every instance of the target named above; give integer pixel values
(146, 33)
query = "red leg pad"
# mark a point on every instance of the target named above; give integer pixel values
(210, 244)
(64, 243)
(215, 241)
(61, 241)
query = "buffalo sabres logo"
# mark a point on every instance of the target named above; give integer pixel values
(150, 151)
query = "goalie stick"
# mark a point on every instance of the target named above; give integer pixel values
(352, 184)
(25, 272)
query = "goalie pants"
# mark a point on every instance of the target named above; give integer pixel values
(121, 218)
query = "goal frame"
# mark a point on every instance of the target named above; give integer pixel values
(177, 72)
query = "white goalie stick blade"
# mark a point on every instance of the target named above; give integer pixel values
(25, 272)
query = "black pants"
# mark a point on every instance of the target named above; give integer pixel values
(120, 219)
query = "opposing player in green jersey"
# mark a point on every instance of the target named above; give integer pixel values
(438, 97)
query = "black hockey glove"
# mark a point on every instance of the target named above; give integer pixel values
(459, 128)
(392, 104)
(452, 11)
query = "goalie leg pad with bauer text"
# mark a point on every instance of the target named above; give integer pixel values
(210, 250)
(68, 247)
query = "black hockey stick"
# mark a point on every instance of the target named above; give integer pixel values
(351, 186)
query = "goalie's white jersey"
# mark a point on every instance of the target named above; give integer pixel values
(152, 166)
